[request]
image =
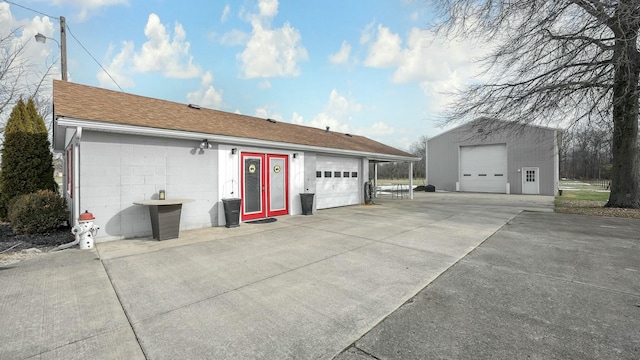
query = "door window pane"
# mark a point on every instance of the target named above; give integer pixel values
(252, 185)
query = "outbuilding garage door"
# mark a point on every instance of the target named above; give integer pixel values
(483, 168)
(336, 182)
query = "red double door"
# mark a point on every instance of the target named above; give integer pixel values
(265, 185)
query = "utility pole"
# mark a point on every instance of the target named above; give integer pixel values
(63, 48)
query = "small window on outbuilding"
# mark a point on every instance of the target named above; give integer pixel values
(327, 174)
(345, 174)
(337, 174)
(354, 174)
(318, 174)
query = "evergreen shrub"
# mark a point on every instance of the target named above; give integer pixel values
(37, 213)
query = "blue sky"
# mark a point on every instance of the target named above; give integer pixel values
(371, 68)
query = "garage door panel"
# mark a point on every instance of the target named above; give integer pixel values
(483, 168)
(332, 190)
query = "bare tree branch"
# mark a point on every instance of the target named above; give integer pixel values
(557, 62)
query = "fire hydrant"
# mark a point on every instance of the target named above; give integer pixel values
(85, 230)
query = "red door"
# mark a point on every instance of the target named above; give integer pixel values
(265, 184)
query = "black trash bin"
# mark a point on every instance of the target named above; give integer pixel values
(430, 188)
(231, 212)
(306, 200)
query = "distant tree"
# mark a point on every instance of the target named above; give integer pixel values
(586, 153)
(27, 162)
(418, 149)
(570, 60)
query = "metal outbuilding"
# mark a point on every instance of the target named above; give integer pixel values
(494, 156)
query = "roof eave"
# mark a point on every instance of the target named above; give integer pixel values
(65, 122)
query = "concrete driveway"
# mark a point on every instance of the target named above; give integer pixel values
(304, 287)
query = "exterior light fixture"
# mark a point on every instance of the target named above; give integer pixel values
(295, 155)
(205, 144)
(234, 151)
(41, 38)
(62, 44)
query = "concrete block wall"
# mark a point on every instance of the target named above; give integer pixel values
(117, 169)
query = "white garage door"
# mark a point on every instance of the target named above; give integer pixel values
(483, 168)
(336, 182)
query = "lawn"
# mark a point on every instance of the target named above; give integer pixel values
(586, 199)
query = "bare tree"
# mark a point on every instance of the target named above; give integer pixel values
(571, 61)
(21, 79)
(12, 68)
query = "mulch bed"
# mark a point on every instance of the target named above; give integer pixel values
(11, 242)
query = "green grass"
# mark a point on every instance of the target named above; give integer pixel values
(590, 203)
(586, 195)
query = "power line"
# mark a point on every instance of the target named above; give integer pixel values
(74, 37)
(94, 59)
(30, 9)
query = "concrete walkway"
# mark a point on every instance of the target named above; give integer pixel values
(304, 287)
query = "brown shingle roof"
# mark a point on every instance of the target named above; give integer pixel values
(95, 104)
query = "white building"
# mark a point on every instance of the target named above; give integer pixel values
(119, 148)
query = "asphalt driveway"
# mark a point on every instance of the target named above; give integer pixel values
(546, 286)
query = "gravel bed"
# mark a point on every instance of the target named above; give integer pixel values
(17, 247)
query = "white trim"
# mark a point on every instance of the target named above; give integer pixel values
(76, 176)
(541, 127)
(179, 134)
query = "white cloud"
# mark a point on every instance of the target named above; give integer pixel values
(297, 118)
(119, 68)
(265, 84)
(367, 33)
(342, 56)
(377, 129)
(225, 14)
(264, 113)
(268, 8)
(234, 38)
(206, 95)
(32, 58)
(439, 65)
(337, 113)
(160, 53)
(386, 49)
(271, 52)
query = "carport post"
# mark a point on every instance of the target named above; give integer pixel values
(426, 162)
(411, 180)
(375, 179)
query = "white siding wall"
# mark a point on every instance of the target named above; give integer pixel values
(229, 175)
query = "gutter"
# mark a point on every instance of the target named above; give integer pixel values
(189, 135)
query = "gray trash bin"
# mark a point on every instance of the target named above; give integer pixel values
(231, 212)
(306, 200)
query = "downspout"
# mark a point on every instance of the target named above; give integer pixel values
(75, 211)
(76, 176)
